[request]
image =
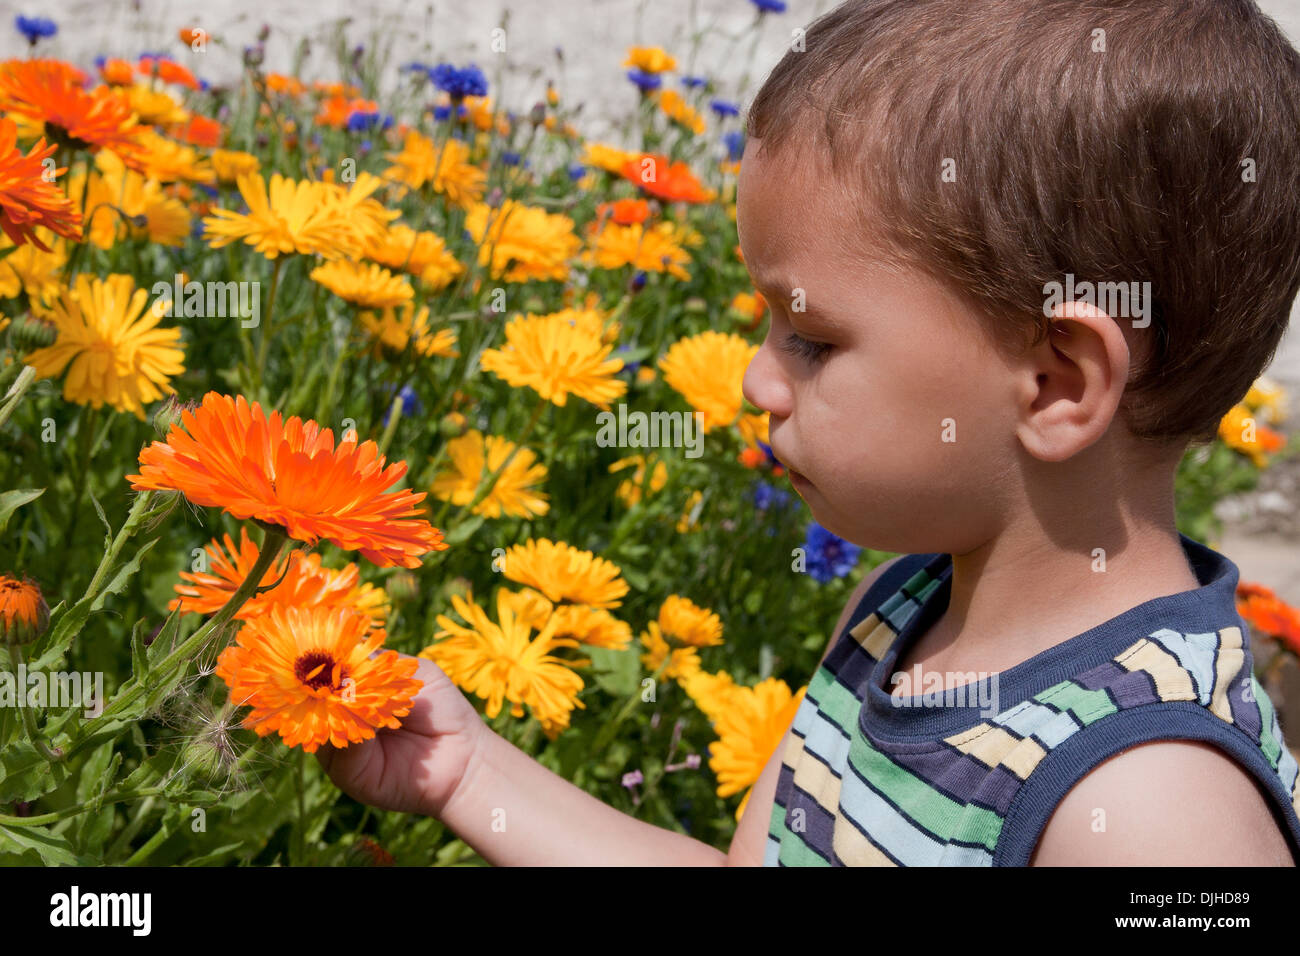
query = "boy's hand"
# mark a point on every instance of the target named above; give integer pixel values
(417, 767)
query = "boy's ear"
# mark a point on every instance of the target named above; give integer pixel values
(1073, 382)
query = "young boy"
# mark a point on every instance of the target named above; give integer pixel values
(940, 201)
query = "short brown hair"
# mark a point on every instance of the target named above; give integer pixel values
(1164, 150)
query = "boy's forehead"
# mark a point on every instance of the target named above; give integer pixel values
(783, 225)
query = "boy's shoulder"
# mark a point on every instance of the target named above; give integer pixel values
(1164, 803)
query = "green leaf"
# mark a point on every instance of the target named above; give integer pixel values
(27, 775)
(636, 578)
(61, 633)
(461, 533)
(615, 671)
(11, 501)
(53, 850)
(124, 574)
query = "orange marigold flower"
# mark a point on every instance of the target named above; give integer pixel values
(298, 581)
(24, 614)
(230, 455)
(189, 35)
(625, 212)
(50, 92)
(671, 182)
(308, 675)
(1268, 614)
(117, 72)
(26, 199)
(200, 131)
(169, 71)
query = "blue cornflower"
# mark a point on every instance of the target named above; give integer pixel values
(766, 449)
(735, 143)
(691, 82)
(829, 556)
(724, 107)
(769, 6)
(768, 496)
(510, 158)
(360, 121)
(638, 281)
(459, 83)
(414, 67)
(577, 171)
(35, 27)
(646, 81)
(411, 404)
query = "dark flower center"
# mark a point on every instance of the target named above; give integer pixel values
(315, 669)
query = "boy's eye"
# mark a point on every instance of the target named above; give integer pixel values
(815, 352)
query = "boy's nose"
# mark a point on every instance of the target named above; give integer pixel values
(765, 387)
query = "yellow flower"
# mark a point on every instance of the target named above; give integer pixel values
(707, 370)
(366, 218)
(394, 332)
(650, 59)
(168, 161)
(114, 187)
(753, 428)
(522, 242)
(650, 249)
(451, 173)
(609, 158)
(155, 107)
(629, 490)
(690, 623)
(683, 662)
(30, 270)
(366, 285)
(110, 345)
(503, 661)
(564, 573)
(644, 375)
(291, 217)
(711, 692)
(556, 359)
(749, 729)
(529, 606)
(1271, 397)
(595, 627)
(679, 111)
(513, 492)
(1239, 430)
(422, 254)
(230, 164)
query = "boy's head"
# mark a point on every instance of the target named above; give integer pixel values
(929, 183)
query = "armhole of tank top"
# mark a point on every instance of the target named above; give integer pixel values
(1071, 760)
(881, 590)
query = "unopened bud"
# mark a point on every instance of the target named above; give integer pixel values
(452, 425)
(537, 115)
(27, 332)
(402, 586)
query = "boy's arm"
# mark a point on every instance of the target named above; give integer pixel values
(750, 839)
(515, 812)
(1166, 803)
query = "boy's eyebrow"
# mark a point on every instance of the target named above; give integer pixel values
(767, 284)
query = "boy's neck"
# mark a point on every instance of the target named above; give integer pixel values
(1031, 588)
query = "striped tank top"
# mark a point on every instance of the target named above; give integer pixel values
(970, 776)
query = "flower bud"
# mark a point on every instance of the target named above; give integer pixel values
(366, 852)
(452, 425)
(537, 114)
(27, 333)
(24, 615)
(402, 586)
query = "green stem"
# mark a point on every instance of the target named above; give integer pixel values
(15, 393)
(263, 345)
(133, 519)
(155, 841)
(394, 415)
(299, 834)
(272, 544)
(29, 719)
(72, 811)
